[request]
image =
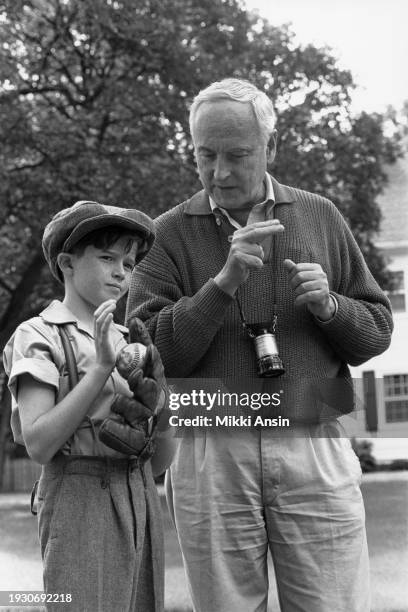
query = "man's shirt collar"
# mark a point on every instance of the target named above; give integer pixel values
(199, 203)
(269, 198)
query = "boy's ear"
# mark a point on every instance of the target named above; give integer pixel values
(64, 261)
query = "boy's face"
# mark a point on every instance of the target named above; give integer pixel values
(101, 274)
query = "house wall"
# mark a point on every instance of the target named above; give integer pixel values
(390, 441)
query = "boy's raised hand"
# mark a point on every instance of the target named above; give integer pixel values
(103, 320)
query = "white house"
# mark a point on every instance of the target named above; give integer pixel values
(382, 383)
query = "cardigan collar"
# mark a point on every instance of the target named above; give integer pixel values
(199, 203)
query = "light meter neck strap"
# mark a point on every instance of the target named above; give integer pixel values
(247, 326)
(244, 322)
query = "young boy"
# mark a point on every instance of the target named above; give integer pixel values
(99, 513)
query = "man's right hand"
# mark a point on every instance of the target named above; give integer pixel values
(246, 254)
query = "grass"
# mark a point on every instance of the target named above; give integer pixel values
(386, 504)
(386, 501)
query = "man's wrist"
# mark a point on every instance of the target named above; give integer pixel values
(226, 284)
(331, 310)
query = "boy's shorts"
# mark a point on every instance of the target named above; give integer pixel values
(101, 534)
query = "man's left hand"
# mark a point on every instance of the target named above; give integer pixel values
(310, 285)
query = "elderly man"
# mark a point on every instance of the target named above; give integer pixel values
(248, 256)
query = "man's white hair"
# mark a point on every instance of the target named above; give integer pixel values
(240, 91)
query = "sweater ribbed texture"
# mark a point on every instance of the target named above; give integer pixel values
(197, 327)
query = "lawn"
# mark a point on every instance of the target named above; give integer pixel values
(386, 500)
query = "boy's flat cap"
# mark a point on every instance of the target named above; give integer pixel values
(71, 224)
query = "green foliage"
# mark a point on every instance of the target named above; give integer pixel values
(363, 450)
(399, 464)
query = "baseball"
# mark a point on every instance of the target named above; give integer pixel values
(130, 357)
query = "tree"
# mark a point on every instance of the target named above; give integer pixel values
(93, 105)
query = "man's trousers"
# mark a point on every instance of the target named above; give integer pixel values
(233, 494)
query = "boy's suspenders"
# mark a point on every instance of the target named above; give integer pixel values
(72, 370)
(73, 378)
(70, 360)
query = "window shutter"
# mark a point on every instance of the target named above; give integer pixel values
(370, 401)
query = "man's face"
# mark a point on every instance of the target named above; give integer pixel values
(231, 153)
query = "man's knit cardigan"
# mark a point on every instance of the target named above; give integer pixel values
(197, 327)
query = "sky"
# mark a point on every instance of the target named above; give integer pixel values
(369, 37)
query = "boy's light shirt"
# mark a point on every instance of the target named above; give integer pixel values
(35, 348)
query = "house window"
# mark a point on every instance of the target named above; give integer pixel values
(396, 398)
(397, 295)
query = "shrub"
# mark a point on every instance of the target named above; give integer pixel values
(363, 450)
(399, 464)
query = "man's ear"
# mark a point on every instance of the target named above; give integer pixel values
(64, 261)
(271, 147)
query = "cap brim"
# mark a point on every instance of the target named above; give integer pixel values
(89, 225)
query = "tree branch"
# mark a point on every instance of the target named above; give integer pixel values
(12, 315)
(5, 286)
(26, 166)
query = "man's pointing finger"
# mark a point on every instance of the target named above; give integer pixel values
(260, 233)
